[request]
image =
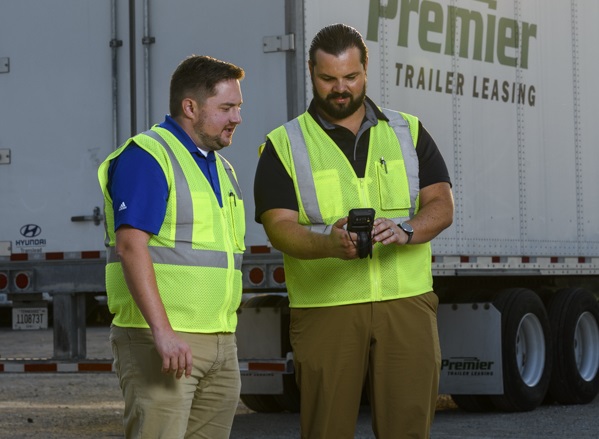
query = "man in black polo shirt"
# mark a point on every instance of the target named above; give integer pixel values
(354, 317)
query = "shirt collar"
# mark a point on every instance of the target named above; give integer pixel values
(171, 125)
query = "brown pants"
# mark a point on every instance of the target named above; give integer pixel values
(393, 344)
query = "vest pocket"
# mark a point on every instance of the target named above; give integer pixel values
(394, 190)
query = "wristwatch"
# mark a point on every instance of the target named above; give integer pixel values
(407, 229)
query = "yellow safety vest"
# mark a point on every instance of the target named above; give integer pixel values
(327, 188)
(198, 251)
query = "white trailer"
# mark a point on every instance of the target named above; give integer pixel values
(508, 90)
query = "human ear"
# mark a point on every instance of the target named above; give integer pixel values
(189, 107)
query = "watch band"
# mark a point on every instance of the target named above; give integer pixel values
(408, 230)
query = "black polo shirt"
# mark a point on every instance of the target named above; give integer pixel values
(273, 187)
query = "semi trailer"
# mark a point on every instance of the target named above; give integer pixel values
(508, 89)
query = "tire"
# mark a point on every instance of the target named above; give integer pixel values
(290, 399)
(262, 403)
(526, 350)
(474, 403)
(574, 320)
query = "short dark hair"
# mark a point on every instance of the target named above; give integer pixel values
(336, 39)
(197, 76)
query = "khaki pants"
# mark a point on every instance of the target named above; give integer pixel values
(392, 344)
(158, 405)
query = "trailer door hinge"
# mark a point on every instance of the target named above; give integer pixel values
(114, 43)
(279, 43)
(4, 65)
(4, 156)
(5, 248)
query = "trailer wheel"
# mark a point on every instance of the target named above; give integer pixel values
(261, 403)
(574, 317)
(257, 402)
(526, 350)
(474, 403)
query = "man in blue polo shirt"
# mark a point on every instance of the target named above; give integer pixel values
(174, 251)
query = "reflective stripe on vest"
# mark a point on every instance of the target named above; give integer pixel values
(301, 160)
(408, 149)
(184, 256)
(305, 180)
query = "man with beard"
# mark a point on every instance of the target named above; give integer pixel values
(175, 226)
(356, 320)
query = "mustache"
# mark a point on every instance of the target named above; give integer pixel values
(339, 95)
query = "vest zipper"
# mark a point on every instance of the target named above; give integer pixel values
(373, 264)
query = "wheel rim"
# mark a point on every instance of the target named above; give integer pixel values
(530, 349)
(586, 346)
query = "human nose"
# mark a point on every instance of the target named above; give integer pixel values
(340, 86)
(236, 115)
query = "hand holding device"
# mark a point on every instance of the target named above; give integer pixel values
(360, 222)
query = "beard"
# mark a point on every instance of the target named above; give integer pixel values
(214, 142)
(336, 111)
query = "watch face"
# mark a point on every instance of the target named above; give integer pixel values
(406, 228)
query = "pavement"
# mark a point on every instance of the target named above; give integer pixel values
(89, 405)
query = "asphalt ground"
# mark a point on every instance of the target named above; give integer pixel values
(89, 405)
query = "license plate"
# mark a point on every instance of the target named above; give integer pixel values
(30, 318)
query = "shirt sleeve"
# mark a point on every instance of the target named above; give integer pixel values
(139, 190)
(431, 165)
(273, 186)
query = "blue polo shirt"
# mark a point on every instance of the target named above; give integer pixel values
(138, 186)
